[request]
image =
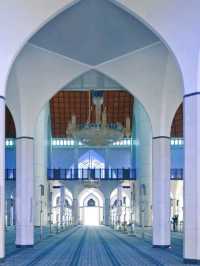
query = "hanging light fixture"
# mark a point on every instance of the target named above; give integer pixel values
(100, 132)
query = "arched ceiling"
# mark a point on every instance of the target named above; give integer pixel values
(94, 31)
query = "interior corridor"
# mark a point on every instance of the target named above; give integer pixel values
(91, 246)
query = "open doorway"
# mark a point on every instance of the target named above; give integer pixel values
(91, 207)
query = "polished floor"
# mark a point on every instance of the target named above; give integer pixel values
(93, 246)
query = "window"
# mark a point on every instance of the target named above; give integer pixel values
(91, 203)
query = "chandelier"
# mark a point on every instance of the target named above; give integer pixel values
(101, 132)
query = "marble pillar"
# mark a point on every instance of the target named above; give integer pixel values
(107, 212)
(24, 192)
(2, 178)
(161, 191)
(191, 250)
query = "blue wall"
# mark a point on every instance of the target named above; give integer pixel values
(10, 158)
(177, 156)
(65, 157)
(117, 158)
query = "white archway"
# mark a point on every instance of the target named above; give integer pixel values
(125, 200)
(56, 206)
(91, 215)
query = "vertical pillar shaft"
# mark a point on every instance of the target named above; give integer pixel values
(161, 191)
(62, 203)
(2, 178)
(192, 178)
(24, 192)
(107, 212)
(40, 167)
(119, 203)
(75, 211)
(143, 156)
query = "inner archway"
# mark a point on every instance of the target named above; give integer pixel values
(91, 212)
(91, 203)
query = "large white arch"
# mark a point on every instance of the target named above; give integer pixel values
(149, 86)
(147, 13)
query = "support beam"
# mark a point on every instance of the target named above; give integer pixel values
(161, 192)
(192, 178)
(24, 192)
(2, 178)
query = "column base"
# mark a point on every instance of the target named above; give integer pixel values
(24, 246)
(191, 261)
(161, 246)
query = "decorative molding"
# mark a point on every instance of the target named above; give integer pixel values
(24, 137)
(24, 246)
(161, 137)
(191, 261)
(192, 94)
(161, 246)
(2, 97)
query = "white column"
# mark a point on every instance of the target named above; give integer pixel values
(143, 133)
(62, 205)
(192, 178)
(161, 191)
(2, 178)
(75, 210)
(40, 158)
(24, 192)
(119, 203)
(107, 212)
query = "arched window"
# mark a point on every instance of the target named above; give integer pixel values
(91, 203)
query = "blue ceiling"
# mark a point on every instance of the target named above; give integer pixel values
(93, 31)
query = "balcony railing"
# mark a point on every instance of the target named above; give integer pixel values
(177, 174)
(10, 174)
(91, 174)
(94, 174)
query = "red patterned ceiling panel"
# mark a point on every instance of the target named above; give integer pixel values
(63, 105)
(177, 124)
(10, 125)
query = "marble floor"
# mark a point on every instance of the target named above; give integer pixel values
(93, 246)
